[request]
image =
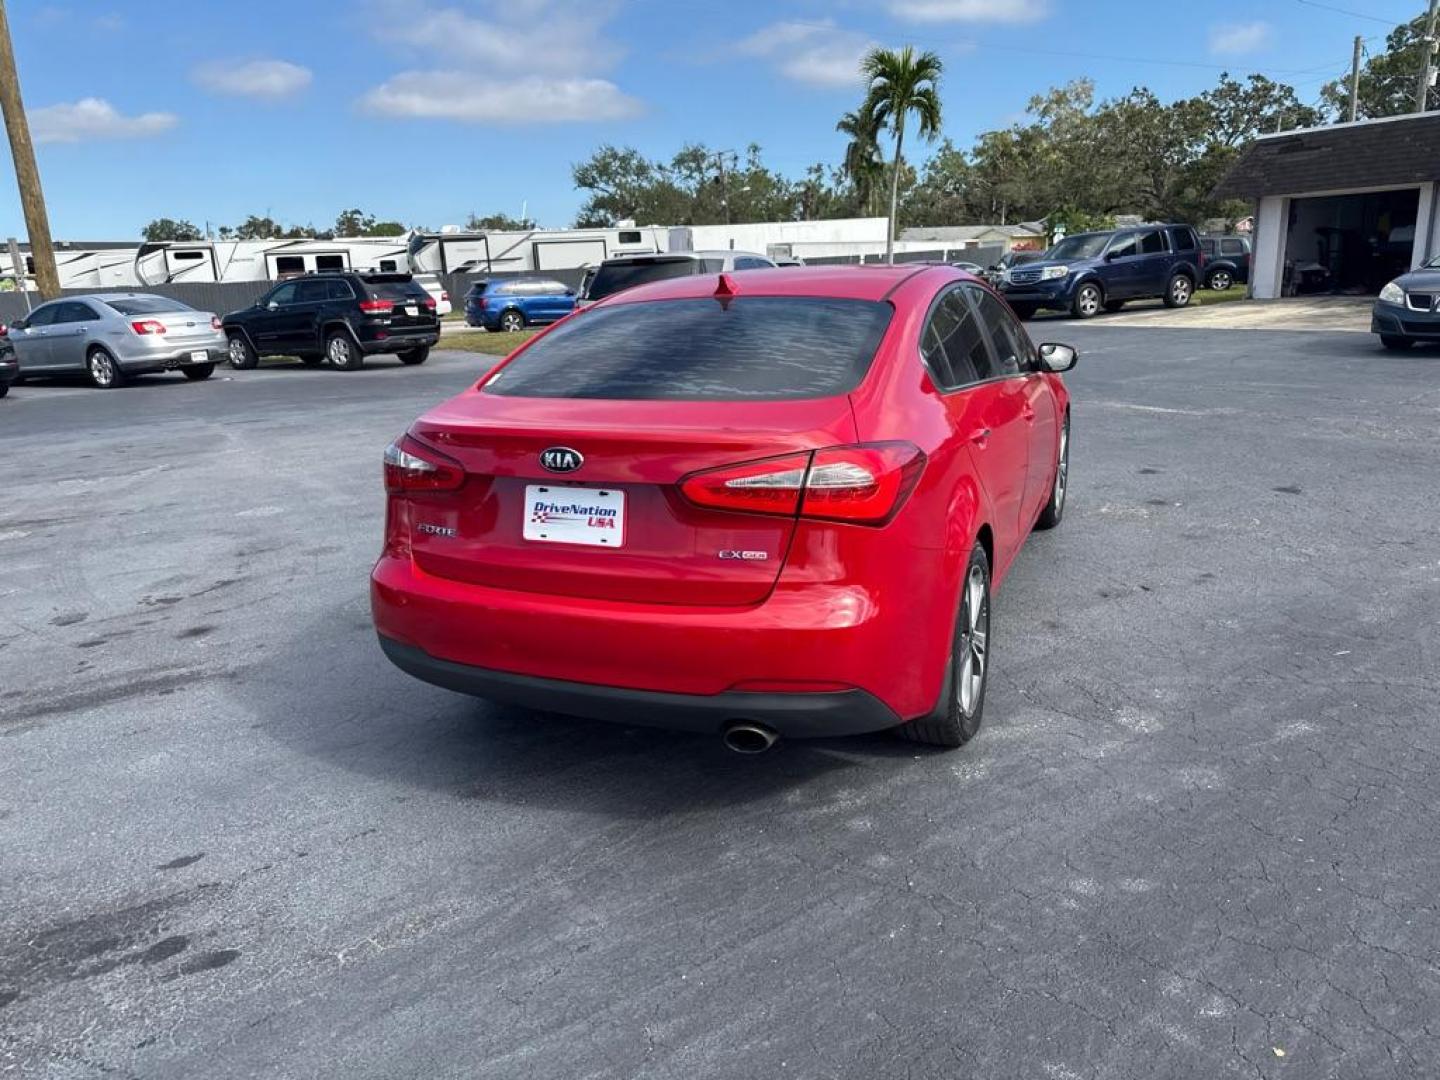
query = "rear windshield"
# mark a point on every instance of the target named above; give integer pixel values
(761, 348)
(146, 305)
(395, 290)
(612, 277)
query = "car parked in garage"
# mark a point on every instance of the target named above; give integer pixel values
(1227, 261)
(1408, 309)
(752, 505)
(340, 317)
(111, 337)
(1092, 272)
(628, 271)
(511, 304)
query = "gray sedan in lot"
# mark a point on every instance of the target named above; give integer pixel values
(112, 336)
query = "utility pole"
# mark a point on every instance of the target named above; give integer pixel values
(1355, 78)
(1427, 72)
(719, 156)
(27, 176)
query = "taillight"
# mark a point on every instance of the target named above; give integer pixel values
(215, 322)
(865, 484)
(483, 302)
(412, 466)
(148, 326)
(430, 301)
(377, 307)
(444, 296)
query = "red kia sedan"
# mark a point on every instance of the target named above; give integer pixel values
(767, 503)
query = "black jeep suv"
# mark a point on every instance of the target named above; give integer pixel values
(335, 316)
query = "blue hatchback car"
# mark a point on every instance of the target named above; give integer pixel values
(512, 304)
(1093, 272)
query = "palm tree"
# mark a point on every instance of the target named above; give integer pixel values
(901, 83)
(862, 165)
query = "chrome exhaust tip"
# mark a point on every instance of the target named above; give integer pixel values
(746, 738)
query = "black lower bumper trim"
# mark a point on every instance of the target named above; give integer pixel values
(795, 716)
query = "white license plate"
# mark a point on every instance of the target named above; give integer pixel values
(411, 309)
(572, 515)
(201, 357)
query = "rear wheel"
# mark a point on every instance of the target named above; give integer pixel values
(1178, 292)
(199, 372)
(1220, 280)
(342, 352)
(1395, 342)
(4, 388)
(242, 356)
(415, 356)
(957, 717)
(103, 370)
(1055, 508)
(512, 321)
(1087, 302)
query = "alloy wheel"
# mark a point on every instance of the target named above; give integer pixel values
(510, 322)
(102, 368)
(1220, 281)
(1089, 300)
(1062, 468)
(339, 351)
(1180, 291)
(237, 351)
(974, 640)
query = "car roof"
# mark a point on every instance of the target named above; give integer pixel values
(713, 253)
(874, 282)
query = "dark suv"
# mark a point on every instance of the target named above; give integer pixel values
(340, 317)
(1227, 260)
(1089, 272)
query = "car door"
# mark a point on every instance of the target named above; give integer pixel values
(32, 343)
(1119, 269)
(268, 325)
(1154, 263)
(75, 322)
(1016, 358)
(300, 328)
(986, 411)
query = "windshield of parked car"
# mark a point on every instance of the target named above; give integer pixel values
(1087, 246)
(762, 348)
(612, 277)
(145, 305)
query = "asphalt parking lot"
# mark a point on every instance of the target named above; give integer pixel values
(1196, 837)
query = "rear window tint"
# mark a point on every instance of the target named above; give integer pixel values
(146, 305)
(752, 348)
(612, 277)
(395, 290)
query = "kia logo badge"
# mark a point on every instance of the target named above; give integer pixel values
(561, 459)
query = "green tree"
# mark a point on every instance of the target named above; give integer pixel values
(258, 228)
(498, 222)
(168, 229)
(900, 83)
(863, 167)
(1388, 80)
(354, 222)
(387, 228)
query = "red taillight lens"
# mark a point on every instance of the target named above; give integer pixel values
(148, 326)
(445, 296)
(483, 301)
(864, 484)
(377, 307)
(411, 466)
(430, 302)
(215, 322)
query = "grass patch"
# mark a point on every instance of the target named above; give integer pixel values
(483, 341)
(1211, 296)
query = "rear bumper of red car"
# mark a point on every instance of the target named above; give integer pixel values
(814, 660)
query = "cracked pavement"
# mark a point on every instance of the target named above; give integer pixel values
(1196, 837)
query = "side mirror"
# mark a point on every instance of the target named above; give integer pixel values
(18, 324)
(1057, 358)
(272, 305)
(1111, 256)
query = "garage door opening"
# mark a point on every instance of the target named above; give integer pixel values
(1349, 244)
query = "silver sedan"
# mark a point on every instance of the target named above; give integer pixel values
(112, 336)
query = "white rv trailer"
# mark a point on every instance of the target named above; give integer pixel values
(531, 250)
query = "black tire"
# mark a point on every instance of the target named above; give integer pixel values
(951, 724)
(1395, 343)
(1113, 306)
(1060, 486)
(313, 359)
(243, 357)
(1178, 291)
(342, 352)
(415, 356)
(512, 321)
(1089, 298)
(198, 372)
(1023, 312)
(104, 372)
(1220, 280)
(4, 388)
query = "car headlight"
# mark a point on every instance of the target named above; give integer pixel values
(1050, 273)
(1393, 294)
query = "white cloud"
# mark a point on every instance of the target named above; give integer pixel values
(818, 54)
(269, 80)
(94, 118)
(995, 11)
(458, 95)
(1234, 38)
(537, 37)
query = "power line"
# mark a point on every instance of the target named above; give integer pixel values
(1344, 11)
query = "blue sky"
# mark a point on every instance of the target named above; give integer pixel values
(424, 110)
